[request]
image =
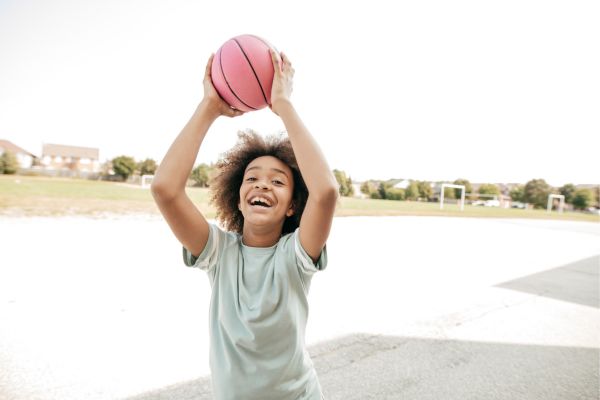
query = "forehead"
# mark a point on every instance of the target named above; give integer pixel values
(269, 163)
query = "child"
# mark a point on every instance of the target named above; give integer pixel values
(276, 199)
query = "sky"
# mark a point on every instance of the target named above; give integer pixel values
(487, 91)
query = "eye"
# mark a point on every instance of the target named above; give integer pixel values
(277, 182)
(250, 179)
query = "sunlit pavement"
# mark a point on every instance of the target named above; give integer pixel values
(408, 308)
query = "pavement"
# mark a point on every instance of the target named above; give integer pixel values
(371, 366)
(409, 308)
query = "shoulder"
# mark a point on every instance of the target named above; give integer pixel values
(219, 242)
(227, 236)
(291, 246)
(287, 238)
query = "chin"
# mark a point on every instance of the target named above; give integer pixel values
(263, 220)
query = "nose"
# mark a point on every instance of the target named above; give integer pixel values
(260, 185)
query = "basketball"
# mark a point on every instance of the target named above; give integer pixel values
(242, 72)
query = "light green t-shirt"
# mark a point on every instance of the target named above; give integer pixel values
(258, 313)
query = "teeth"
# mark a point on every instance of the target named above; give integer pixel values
(260, 199)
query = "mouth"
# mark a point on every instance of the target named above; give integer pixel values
(260, 201)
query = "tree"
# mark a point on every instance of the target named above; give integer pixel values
(368, 187)
(382, 190)
(425, 191)
(8, 163)
(568, 191)
(394, 194)
(517, 193)
(123, 166)
(449, 193)
(147, 167)
(412, 191)
(350, 186)
(344, 182)
(536, 192)
(582, 199)
(466, 184)
(201, 175)
(375, 195)
(489, 188)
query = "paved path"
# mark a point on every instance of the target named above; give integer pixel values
(409, 308)
(367, 366)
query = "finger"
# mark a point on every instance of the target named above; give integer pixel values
(286, 60)
(276, 61)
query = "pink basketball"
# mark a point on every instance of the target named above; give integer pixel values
(242, 72)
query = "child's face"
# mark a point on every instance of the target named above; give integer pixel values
(266, 192)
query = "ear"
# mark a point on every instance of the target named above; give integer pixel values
(290, 210)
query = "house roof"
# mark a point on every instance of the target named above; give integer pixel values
(13, 148)
(69, 151)
(403, 184)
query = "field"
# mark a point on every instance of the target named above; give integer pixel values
(37, 196)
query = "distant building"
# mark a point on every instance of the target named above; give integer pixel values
(403, 184)
(25, 158)
(70, 158)
(357, 192)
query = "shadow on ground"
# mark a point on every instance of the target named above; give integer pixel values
(386, 367)
(577, 282)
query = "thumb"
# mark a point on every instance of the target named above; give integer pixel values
(207, 71)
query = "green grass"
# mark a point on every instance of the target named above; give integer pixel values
(353, 206)
(40, 196)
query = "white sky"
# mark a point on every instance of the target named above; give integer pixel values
(489, 91)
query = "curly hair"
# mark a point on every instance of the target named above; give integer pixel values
(225, 186)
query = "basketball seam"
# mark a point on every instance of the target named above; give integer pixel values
(264, 41)
(227, 82)
(253, 71)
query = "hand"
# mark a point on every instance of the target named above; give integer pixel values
(212, 99)
(282, 81)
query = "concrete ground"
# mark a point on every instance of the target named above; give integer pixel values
(408, 308)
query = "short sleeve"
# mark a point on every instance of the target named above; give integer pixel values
(306, 265)
(208, 258)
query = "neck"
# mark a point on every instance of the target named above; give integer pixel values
(260, 236)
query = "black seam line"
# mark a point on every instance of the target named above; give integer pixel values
(227, 82)
(264, 41)
(255, 74)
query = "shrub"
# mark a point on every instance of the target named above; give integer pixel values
(582, 199)
(8, 163)
(394, 194)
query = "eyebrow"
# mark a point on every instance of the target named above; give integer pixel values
(272, 169)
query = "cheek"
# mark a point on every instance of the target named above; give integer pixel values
(287, 195)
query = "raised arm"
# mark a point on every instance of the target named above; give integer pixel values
(322, 186)
(168, 187)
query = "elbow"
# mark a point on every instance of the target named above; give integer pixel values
(329, 195)
(162, 191)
